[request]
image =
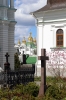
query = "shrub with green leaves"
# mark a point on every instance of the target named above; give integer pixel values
(55, 92)
(32, 89)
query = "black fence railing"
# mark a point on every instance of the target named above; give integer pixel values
(23, 76)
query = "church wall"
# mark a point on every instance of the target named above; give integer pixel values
(51, 21)
(47, 37)
(51, 38)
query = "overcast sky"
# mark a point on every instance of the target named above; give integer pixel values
(25, 21)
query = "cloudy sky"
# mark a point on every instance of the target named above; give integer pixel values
(25, 21)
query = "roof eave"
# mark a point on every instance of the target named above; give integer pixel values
(47, 11)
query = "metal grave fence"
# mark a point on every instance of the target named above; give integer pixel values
(23, 76)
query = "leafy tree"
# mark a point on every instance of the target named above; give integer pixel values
(16, 61)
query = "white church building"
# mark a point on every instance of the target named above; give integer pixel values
(51, 27)
(26, 45)
(7, 26)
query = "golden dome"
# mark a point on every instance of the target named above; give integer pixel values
(34, 40)
(19, 42)
(24, 41)
(30, 38)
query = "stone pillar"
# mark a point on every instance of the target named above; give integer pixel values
(11, 3)
(4, 2)
(0, 2)
(11, 44)
(7, 3)
(3, 42)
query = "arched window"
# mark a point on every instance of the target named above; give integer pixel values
(59, 38)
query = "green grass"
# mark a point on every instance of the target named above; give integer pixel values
(50, 80)
(37, 79)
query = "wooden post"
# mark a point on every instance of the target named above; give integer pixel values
(43, 59)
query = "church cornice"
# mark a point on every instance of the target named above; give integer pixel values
(8, 8)
(2, 20)
(12, 9)
(4, 7)
(13, 22)
(58, 48)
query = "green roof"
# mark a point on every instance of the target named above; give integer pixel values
(31, 60)
(31, 44)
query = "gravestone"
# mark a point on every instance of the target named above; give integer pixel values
(7, 64)
(43, 59)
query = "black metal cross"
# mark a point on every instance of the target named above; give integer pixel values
(43, 59)
(7, 55)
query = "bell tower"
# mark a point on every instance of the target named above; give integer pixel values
(7, 26)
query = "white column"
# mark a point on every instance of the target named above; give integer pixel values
(39, 42)
(11, 3)
(64, 38)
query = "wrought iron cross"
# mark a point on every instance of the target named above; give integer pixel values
(7, 55)
(43, 59)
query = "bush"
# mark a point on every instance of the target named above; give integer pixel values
(32, 89)
(30, 92)
(3, 98)
(16, 61)
(55, 92)
(52, 91)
